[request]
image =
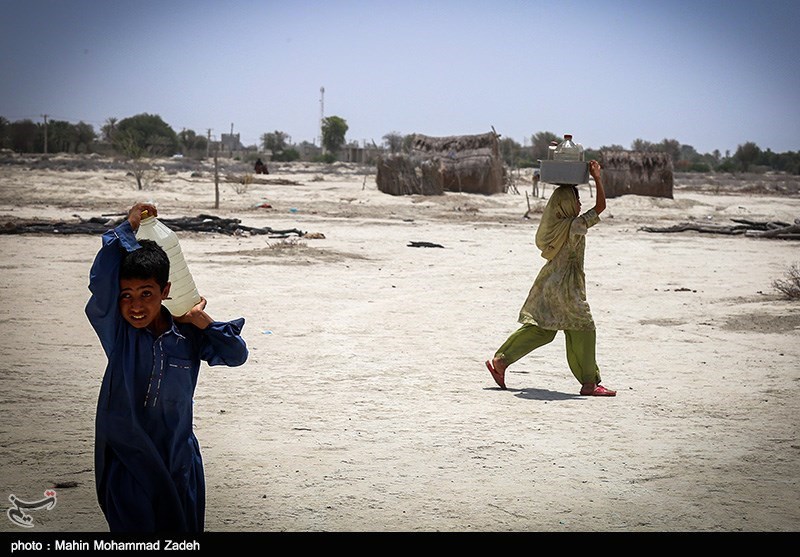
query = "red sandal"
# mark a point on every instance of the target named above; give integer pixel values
(599, 390)
(498, 377)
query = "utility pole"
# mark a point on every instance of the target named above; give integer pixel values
(208, 142)
(45, 132)
(216, 180)
(321, 115)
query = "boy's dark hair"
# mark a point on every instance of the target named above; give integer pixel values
(150, 261)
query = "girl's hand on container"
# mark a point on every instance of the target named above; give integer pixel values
(594, 169)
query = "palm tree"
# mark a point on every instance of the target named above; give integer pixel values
(109, 128)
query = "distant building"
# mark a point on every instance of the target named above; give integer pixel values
(230, 143)
(368, 154)
(308, 151)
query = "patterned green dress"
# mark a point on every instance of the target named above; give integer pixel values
(557, 299)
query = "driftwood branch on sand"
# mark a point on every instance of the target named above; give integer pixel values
(424, 245)
(768, 229)
(98, 225)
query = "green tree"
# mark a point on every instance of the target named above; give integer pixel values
(275, 142)
(689, 153)
(746, 155)
(287, 155)
(108, 129)
(149, 132)
(540, 142)
(393, 141)
(84, 136)
(591, 154)
(726, 165)
(787, 162)
(140, 138)
(513, 154)
(408, 142)
(334, 129)
(670, 146)
(190, 141)
(24, 134)
(641, 145)
(126, 142)
(61, 136)
(5, 133)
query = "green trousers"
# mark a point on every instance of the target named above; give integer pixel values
(580, 349)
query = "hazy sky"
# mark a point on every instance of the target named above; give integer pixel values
(713, 74)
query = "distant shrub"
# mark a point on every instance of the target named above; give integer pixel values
(326, 158)
(699, 167)
(790, 286)
(287, 244)
(287, 155)
(241, 184)
(727, 166)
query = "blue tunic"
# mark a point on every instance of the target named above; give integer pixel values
(148, 468)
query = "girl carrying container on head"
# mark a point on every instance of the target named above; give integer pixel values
(557, 299)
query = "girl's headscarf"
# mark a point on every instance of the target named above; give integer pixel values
(559, 212)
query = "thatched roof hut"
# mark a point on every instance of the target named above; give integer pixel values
(462, 163)
(637, 172)
(400, 175)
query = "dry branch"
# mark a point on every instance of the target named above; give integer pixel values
(424, 245)
(779, 230)
(767, 229)
(99, 225)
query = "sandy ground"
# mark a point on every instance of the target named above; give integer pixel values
(365, 404)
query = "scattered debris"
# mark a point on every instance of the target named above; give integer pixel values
(66, 485)
(769, 229)
(99, 225)
(423, 245)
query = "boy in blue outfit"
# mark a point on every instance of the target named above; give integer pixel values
(148, 468)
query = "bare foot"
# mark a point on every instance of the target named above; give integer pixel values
(497, 367)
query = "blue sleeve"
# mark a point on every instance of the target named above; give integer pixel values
(102, 309)
(221, 344)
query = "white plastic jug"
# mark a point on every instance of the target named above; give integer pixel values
(183, 294)
(568, 150)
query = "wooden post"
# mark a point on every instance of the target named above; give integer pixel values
(45, 132)
(216, 181)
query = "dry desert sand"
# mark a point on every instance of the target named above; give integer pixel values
(365, 404)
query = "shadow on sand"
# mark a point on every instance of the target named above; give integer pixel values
(542, 394)
(546, 394)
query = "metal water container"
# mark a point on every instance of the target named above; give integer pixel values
(567, 167)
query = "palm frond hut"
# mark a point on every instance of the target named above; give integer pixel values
(400, 175)
(461, 163)
(637, 172)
